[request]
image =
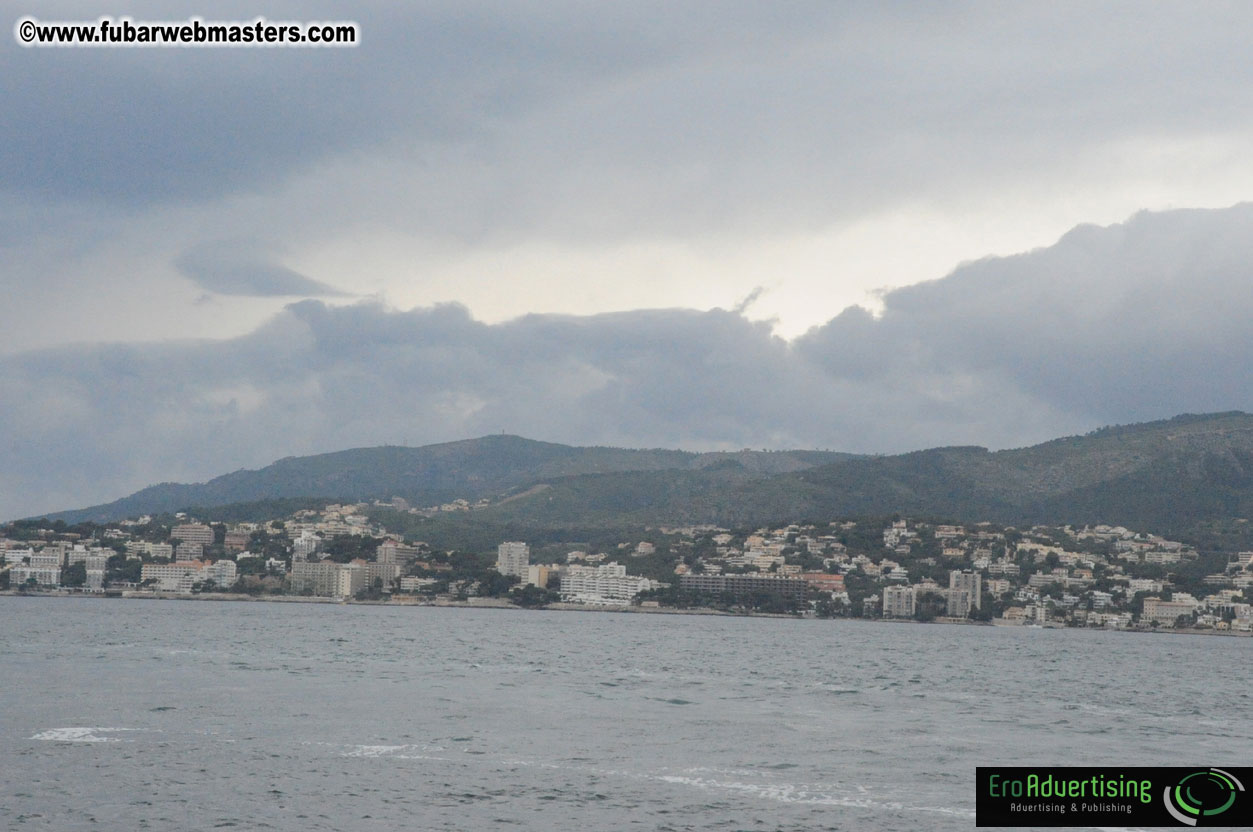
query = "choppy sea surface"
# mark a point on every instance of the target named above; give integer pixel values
(121, 714)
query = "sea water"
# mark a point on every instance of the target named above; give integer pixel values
(198, 715)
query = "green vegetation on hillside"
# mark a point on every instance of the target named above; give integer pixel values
(1190, 478)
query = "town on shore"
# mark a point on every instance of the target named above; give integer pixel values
(885, 568)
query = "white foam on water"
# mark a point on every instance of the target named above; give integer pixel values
(734, 772)
(534, 764)
(417, 757)
(791, 793)
(397, 752)
(80, 734)
(374, 750)
(782, 792)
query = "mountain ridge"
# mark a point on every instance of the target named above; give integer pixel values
(1162, 475)
(487, 466)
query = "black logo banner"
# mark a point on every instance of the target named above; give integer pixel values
(1115, 796)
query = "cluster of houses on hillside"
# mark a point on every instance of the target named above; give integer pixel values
(1050, 576)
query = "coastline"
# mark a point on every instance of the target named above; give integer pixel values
(502, 604)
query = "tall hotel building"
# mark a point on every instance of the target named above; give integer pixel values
(512, 558)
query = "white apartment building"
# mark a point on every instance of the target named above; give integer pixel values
(350, 579)
(389, 551)
(512, 558)
(1166, 612)
(96, 562)
(42, 575)
(1159, 556)
(957, 603)
(304, 546)
(222, 572)
(98, 559)
(188, 551)
(138, 548)
(318, 577)
(48, 558)
(181, 576)
(17, 555)
(898, 601)
(328, 579)
(969, 582)
(383, 573)
(607, 585)
(193, 533)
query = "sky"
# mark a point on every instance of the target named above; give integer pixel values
(871, 227)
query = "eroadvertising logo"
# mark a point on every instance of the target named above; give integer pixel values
(1204, 794)
(1120, 796)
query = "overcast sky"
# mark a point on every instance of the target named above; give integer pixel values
(699, 225)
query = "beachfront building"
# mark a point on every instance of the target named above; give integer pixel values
(971, 583)
(899, 601)
(512, 558)
(607, 585)
(182, 575)
(25, 575)
(751, 583)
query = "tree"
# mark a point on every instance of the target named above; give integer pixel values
(74, 575)
(828, 608)
(251, 566)
(930, 605)
(372, 593)
(345, 547)
(532, 596)
(120, 568)
(244, 586)
(494, 584)
(1054, 590)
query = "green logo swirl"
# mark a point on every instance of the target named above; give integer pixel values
(1202, 794)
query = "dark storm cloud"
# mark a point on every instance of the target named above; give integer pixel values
(1137, 321)
(143, 127)
(1124, 323)
(459, 133)
(243, 267)
(579, 120)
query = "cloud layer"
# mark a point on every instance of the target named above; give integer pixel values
(1138, 321)
(582, 158)
(243, 267)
